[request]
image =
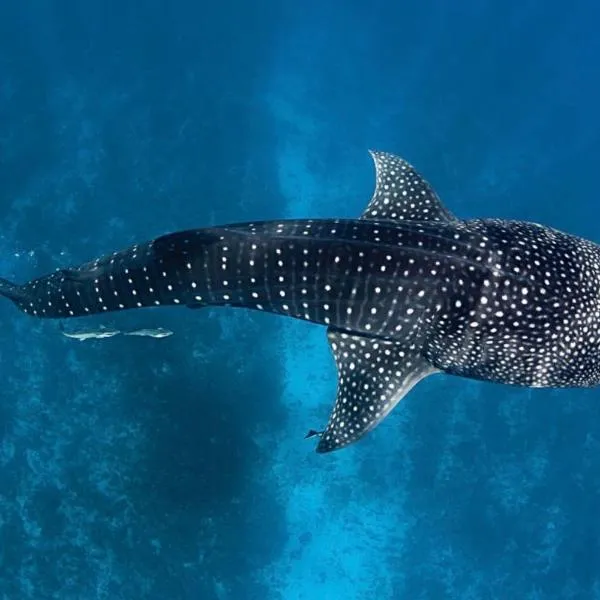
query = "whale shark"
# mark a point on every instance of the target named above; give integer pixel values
(406, 290)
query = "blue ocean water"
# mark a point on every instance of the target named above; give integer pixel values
(176, 468)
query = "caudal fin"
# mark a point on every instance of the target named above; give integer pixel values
(12, 291)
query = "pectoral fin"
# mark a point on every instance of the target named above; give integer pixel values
(373, 376)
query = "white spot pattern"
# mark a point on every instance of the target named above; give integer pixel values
(503, 301)
(401, 193)
(373, 376)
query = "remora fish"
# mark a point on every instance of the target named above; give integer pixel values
(405, 291)
(89, 334)
(157, 333)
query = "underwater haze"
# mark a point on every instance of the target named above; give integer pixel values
(136, 468)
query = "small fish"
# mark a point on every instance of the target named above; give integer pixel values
(157, 333)
(89, 334)
(406, 290)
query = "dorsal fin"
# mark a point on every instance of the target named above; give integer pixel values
(373, 376)
(401, 194)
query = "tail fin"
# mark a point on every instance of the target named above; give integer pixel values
(12, 291)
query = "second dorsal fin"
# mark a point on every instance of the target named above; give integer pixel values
(401, 193)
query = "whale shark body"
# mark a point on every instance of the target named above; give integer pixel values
(405, 291)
